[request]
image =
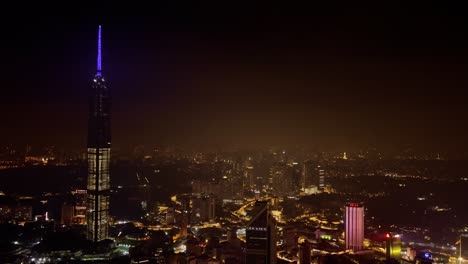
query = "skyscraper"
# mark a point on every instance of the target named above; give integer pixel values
(282, 179)
(99, 143)
(261, 236)
(68, 214)
(80, 207)
(354, 232)
(203, 208)
(313, 175)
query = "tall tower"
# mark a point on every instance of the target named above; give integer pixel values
(261, 236)
(354, 225)
(99, 144)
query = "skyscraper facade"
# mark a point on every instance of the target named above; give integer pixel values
(261, 236)
(98, 153)
(354, 226)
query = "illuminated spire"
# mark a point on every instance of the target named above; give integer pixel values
(99, 59)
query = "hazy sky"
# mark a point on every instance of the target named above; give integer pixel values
(341, 77)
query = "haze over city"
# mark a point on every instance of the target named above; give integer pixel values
(326, 76)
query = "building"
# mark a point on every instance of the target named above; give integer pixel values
(233, 249)
(354, 226)
(98, 154)
(7, 208)
(261, 236)
(170, 216)
(463, 244)
(200, 187)
(203, 209)
(185, 209)
(68, 213)
(250, 178)
(289, 236)
(143, 192)
(24, 209)
(313, 176)
(321, 177)
(23, 213)
(410, 254)
(281, 180)
(393, 246)
(304, 252)
(79, 217)
(13, 210)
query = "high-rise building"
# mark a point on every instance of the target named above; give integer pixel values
(463, 244)
(261, 236)
(170, 216)
(321, 177)
(281, 179)
(67, 214)
(393, 246)
(203, 208)
(304, 252)
(80, 207)
(354, 225)
(185, 208)
(313, 176)
(202, 187)
(99, 146)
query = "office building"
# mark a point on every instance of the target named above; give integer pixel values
(304, 252)
(354, 226)
(203, 208)
(80, 207)
(281, 180)
(313, 176)
(261, 236)
(98, 154)
(68, 213)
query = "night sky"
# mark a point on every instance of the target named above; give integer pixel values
(340, 77)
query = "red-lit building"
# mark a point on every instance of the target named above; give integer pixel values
(354, 226)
